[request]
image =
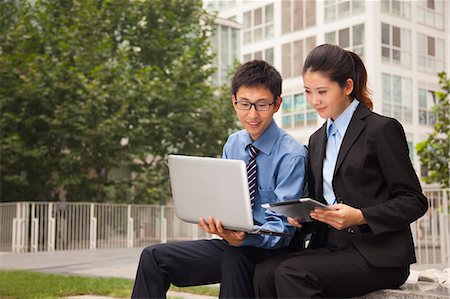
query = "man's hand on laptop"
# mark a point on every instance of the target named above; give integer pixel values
(235, 238)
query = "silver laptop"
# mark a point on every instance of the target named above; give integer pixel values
(203, 187)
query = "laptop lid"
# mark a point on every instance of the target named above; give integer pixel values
(203, 187)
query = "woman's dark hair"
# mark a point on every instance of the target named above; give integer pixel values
(339, 65)
(257, 73)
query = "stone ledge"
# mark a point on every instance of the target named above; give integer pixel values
(428, 290)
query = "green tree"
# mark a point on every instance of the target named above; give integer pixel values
(435, 151)
(93, 86)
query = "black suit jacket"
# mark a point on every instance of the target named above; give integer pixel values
(373, 173)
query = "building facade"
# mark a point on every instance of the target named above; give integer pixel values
(404, 44)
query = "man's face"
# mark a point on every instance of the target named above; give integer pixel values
(254, 121)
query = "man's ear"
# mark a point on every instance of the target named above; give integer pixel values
(233, 101)
(278, 102)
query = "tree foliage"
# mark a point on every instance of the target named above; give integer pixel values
(92, 87)
(435, 151)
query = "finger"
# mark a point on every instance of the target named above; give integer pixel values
(202, 224)
(219, 227)
(212, 225)
(294, 221)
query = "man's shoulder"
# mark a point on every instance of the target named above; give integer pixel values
(290, 145)
(241, 134)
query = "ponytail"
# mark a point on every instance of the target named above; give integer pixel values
(360, 90)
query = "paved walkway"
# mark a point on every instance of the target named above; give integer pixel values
(99, 263)
(123, 263)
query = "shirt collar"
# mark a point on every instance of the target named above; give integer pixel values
(267, 140)
(343, 120)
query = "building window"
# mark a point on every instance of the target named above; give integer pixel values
(225, 44)
(431, 53)
(397, 97)
(409, 141)
(396, 45)
(431, 13)
(297, 112)
(297, 15)
(293, 55)
(266, 55)
(396, 7)
(426, 103)
(338, 9)
(348, 38)
(258, 24)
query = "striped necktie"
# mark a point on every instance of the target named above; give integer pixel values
(252, 169)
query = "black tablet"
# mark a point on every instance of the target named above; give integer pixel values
(299, 208)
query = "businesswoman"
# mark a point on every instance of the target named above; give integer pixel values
(359, 165)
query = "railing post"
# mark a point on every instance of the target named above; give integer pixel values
(93, 229)
(19, 228)
(34, 229)
(130, 231)
(444, 226)
(163, 226)
(51, 231)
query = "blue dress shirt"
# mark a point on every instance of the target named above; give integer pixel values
(282, 163)
(329, 163)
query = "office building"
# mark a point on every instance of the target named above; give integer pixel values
(404, 44)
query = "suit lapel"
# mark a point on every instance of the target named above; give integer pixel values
(355, 127)
(317, 161)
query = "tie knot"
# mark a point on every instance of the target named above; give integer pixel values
(253, 151)
(332, 130)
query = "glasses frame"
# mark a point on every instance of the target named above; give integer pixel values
(254, 105)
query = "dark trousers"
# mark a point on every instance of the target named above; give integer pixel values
(199, 262)
(335, 271)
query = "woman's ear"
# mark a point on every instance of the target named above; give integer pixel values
(349, 86)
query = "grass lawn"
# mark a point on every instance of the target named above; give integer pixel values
(26, 284)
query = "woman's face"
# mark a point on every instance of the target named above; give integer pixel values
(327, 97)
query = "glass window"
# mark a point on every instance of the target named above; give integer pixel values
(269, 13)
(298, 110)
(286, 19)
(310, 44)
(385, 39)
(386, 79)
(344, 8)
(257, 17)
(358, 6)
(396, 36)
(269, 55)
(358, 35)
(330, 13)
(298, 15)
(247, 21)
(257, 34)
(430, 46)
(310, 13)
(330, 37)
(286, 60)
(397, 89)
(287, 104)
(344, 38)
(298, 57)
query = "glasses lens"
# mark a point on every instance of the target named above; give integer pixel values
(243, 105)
(262, 106)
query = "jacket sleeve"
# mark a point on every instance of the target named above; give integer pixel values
(406, 203)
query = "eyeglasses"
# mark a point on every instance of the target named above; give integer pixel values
(259, 106)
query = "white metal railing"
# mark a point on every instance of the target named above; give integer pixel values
(431, 231)
(48, 226)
